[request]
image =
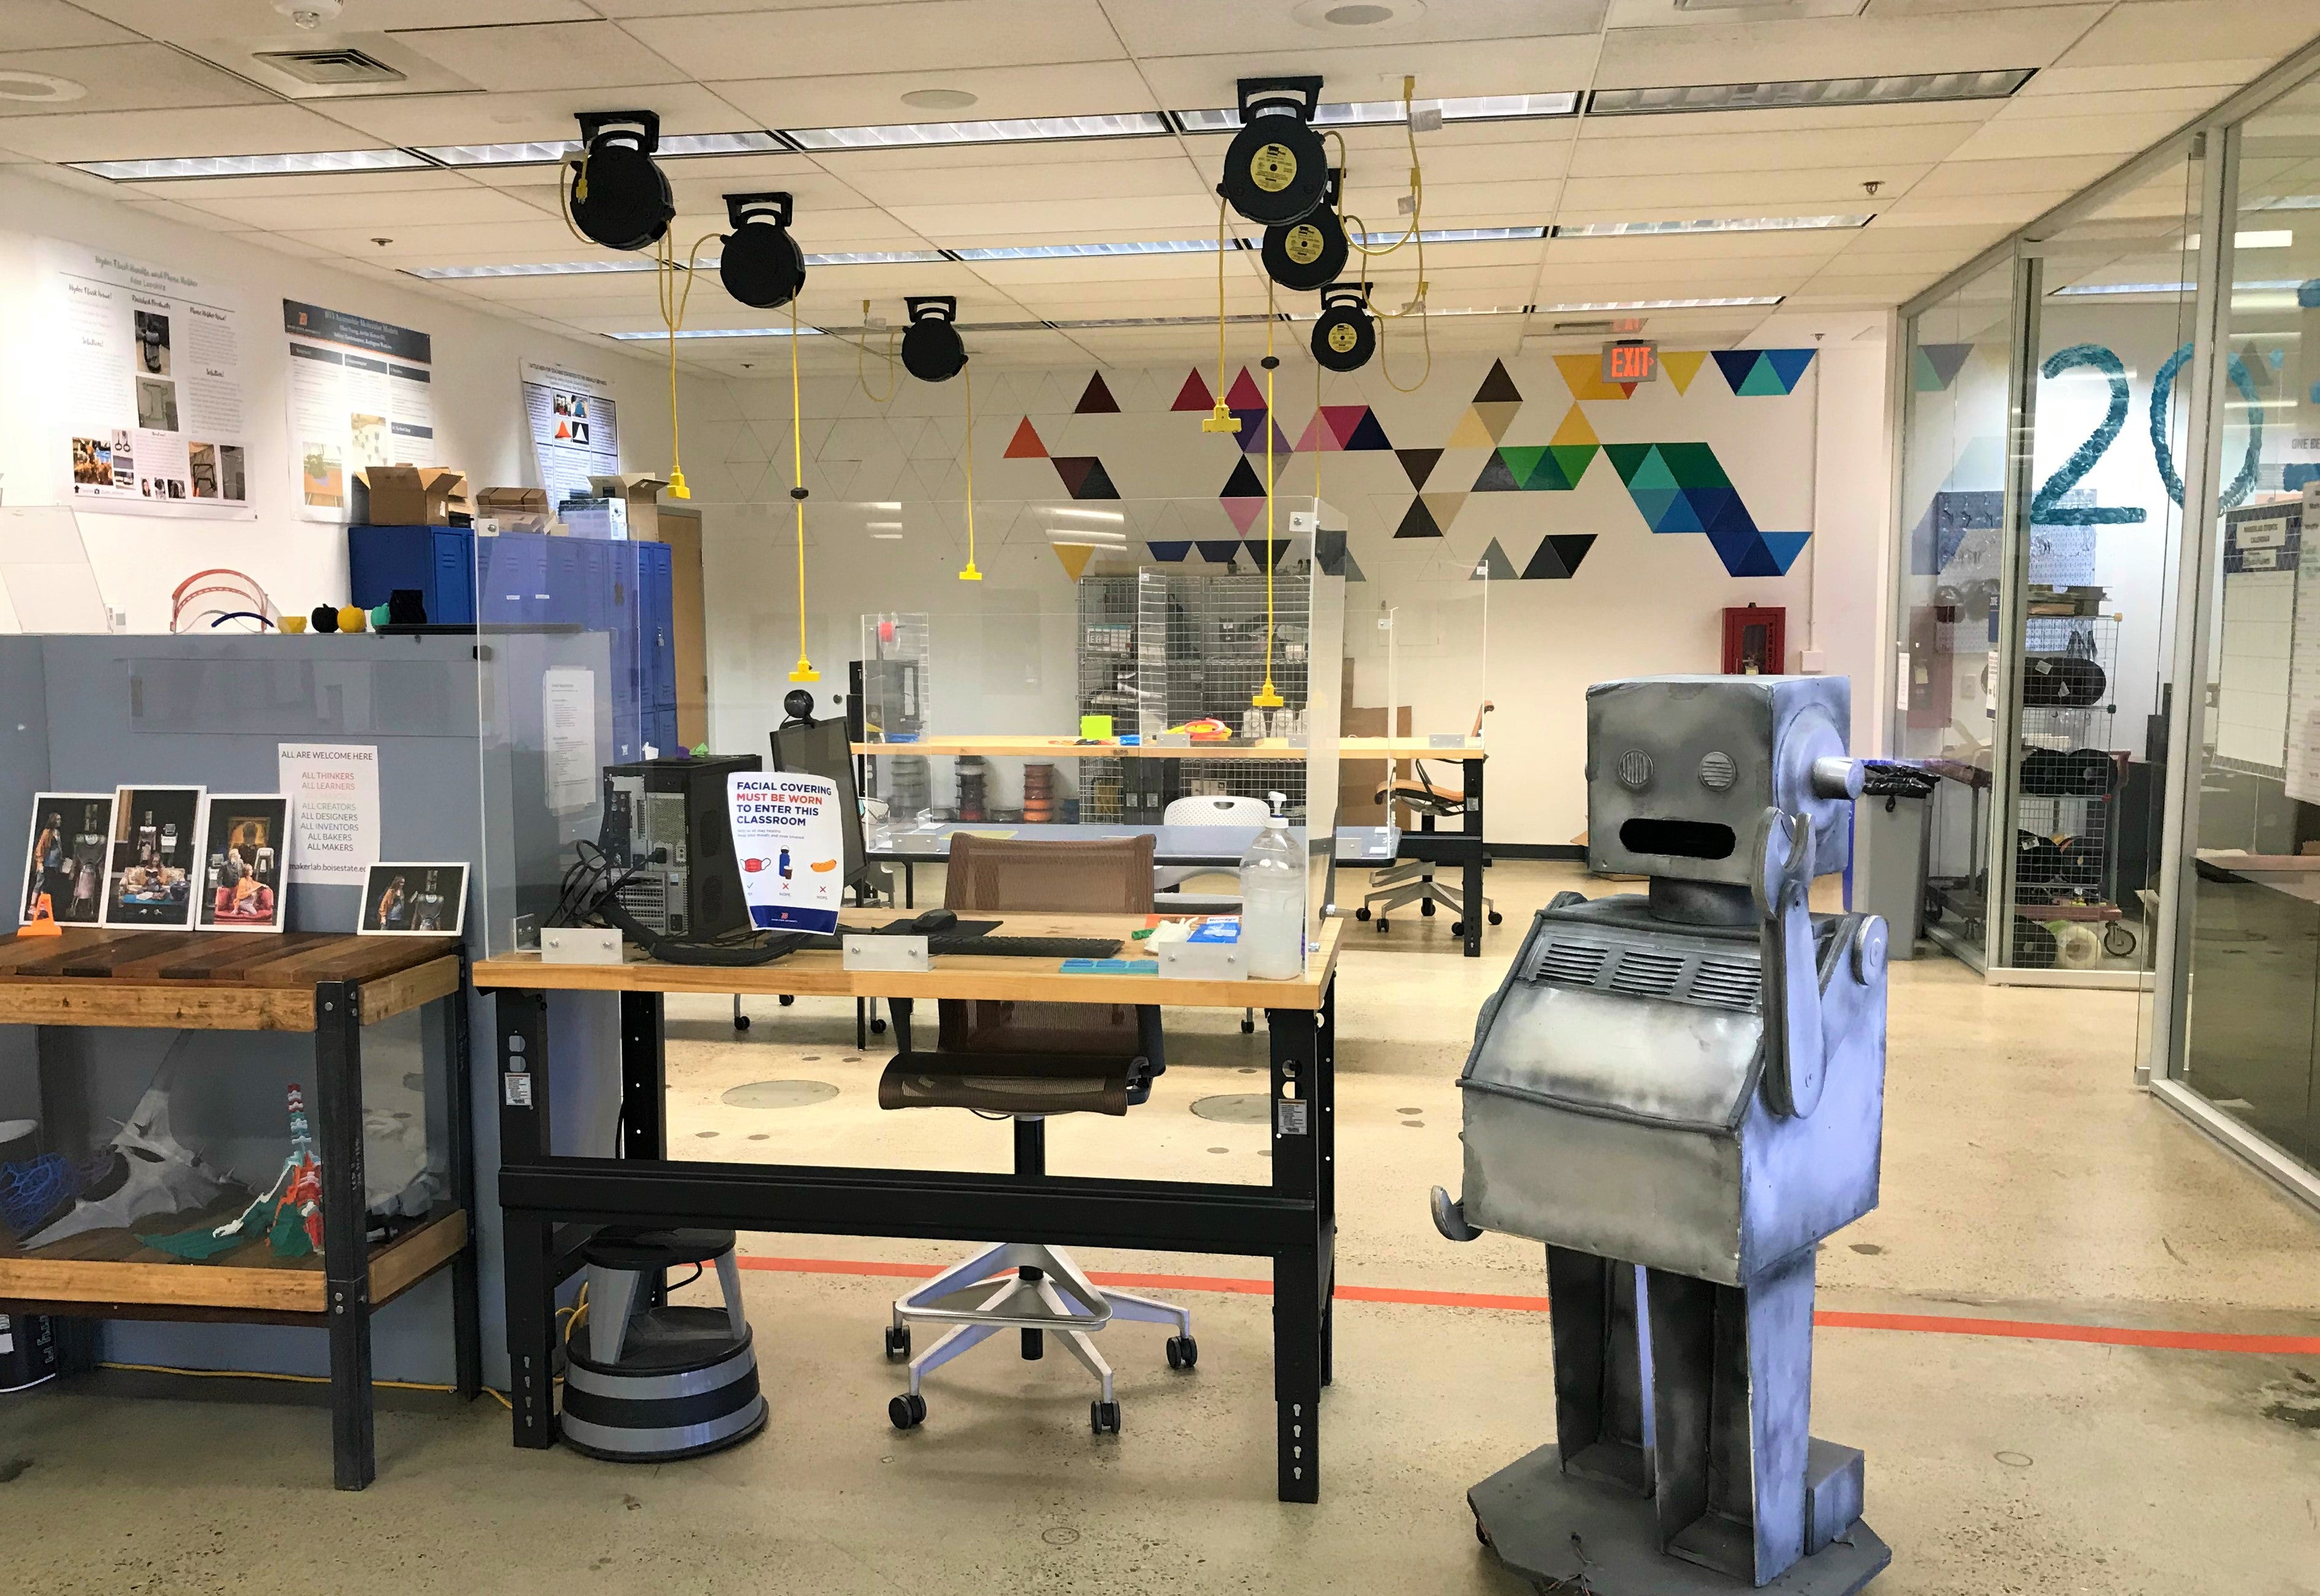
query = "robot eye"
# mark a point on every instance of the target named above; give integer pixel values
(1634, 770)
(1716, 771)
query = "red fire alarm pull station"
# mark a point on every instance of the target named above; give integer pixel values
(1756, 640)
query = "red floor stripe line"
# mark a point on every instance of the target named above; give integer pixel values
(1927, 1324)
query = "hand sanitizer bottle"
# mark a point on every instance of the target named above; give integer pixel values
(1273, 901)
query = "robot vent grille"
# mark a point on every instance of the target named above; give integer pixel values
(1572, 964)
(1726, 984)
(1646, 974)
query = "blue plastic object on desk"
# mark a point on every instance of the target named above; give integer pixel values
(1110, 966)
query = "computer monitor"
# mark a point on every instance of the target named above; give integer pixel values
(821, 749)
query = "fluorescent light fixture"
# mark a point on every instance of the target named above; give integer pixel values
(875, 257)
(1627, 230)
(547, 152)
(1065, 251)
(1110, 515)
(1456, 235)
(1368, 112)
(532, 268)
(164, 168)
(1662, 304)
(1133, 124)
(1816, 91)
(883, 503)
(658, 332)
(883, 526)
(2271, 239)
(2078, 290)
(886, 536)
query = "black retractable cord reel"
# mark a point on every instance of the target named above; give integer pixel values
(762, 265)
(1276, 171)
(1346, 336)
(1308, 253)
(619, 198)
(931, 349)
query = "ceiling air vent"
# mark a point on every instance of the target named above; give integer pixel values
(1574, 328)
(331, 69)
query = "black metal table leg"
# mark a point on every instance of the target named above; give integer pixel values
(1472, 897)
(528, 1241)
(1297, 1271)
(346, 1253)
(1325, 1111)
(458, 1072)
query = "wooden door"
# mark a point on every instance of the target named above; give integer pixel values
(680, 529)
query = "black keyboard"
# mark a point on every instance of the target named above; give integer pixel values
(1026, 947)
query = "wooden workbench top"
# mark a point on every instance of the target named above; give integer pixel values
(213, 980)
(1271, 747)
(823, 974)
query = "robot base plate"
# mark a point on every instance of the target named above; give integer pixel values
(1530, 1512)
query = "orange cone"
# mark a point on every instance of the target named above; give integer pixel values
(43, 922)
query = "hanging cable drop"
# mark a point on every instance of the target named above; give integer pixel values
(1276, 171)
(763, 265)
(1220, 419)
(1268, 697)
(618, 197)
(1345, 335)
(933, 352)
(972, 572)
(1309, 252)
(804, 672)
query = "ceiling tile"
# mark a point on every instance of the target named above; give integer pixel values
(1713, 247)
(1956, 177)
(875, 99)
(1855, 148)
(546, 56)
(1849, 47)
(921, 35)
(377, 211)
(2027, 137)
(524, 118)
(127, 77)
(1162, 27)
(2143, 32)
(1506, 66)
(53, 25)
(1058, 177)
(131, 135)
(446, 242)
(180, 19)
(2159, 75)
(1735, 193)
(1188, 215)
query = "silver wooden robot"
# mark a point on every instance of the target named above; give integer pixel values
(1680, 1093)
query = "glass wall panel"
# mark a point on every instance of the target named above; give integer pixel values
(1952, 497)
(2254, 949)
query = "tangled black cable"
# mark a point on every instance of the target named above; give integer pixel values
(589, 894)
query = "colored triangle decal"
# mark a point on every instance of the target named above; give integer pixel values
(1682, 366)
(1497, 386)
(1744, 553)
(1096, 399)
(1025, 445)
(1653, 471)
(1244, 482)
(1471, 432)
(1789, 366)
(1245, 394)
(1572, 458)
(1763, 382)
(1547, 476)
(1570, 549)
(1243, 512)
(1545, 565)
(1522, 461)
(1784, 548)
(1256, 550)
(1074, 470)
(1417, 463)
(1712, 505)
(1736, 365)
(1938, 364)
(1496, 416)
(1681, 515)
(1330, 553)
(1625, 458)
(1217, 551)
(1351, 570)
(1252, 435)
(1443, 507)
(1695, 464)
(1496, 477)
(1074, 555)
(1574, 429)
(1172, 552)
(1367, 433)
(1730, 519)
(1583, 375)
(1317, 436)
(1653, 503)
(1494, 566)
(1417, 522)
(1098, 484)
(1341, 420)
(1194, 394)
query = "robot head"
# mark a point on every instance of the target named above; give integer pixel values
(1681, 770)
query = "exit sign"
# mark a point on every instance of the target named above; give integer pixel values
(1631, 360)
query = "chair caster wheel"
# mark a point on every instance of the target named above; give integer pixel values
(1381, 925)
(877, 1028)
(1426, 908)
(898, 1343)
(740, 1022)
(1457, 928)
(1183, 1351)
(787, 1000)
(1496, 917)
(1103, 1418)
(907, 1411)
(1248, 1027)
(1361, 914)
(1482, 1535)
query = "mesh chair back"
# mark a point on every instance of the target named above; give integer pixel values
(1106, 875)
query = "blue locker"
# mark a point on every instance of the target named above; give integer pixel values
(657, 627)
(438, 561)
(515, 577)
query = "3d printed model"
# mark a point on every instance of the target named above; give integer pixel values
(152, 1173)
(293, 1205)
(1681, 1093)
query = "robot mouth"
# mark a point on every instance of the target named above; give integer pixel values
(1685, 839)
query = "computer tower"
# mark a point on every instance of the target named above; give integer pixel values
(29, 1354)
(666, 820)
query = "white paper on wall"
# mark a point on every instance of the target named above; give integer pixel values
(148, 405)
(574, 429)
(362, 393)
(568, 718)
(333, 790)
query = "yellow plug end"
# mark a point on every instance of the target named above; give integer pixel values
(676, 488)
(1220, 420)
(970, 574)
(1266, 698)
(805, 671)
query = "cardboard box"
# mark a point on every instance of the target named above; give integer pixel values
(411, 496)
(640, 492)
(512, 509)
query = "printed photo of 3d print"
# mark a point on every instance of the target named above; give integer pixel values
(415, 900)
(64, 867)
(246, 845)
(149, 878)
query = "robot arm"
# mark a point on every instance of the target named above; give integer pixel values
(1795, 1052)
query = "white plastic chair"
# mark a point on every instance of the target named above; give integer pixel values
(1209, 809)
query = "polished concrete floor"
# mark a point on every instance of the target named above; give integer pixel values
(2027, 1181)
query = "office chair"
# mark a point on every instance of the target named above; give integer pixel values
(1208, 810)
(1027, 1061)
(1411, 880)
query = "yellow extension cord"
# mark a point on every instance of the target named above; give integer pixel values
(1267, 696)
(971, 574)
(805, 671)
(292, 1379)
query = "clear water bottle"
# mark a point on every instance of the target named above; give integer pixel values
(1273, 901)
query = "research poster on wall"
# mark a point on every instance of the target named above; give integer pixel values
(150, 389)
(574, 429)
(787, 837)
(362, 393)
